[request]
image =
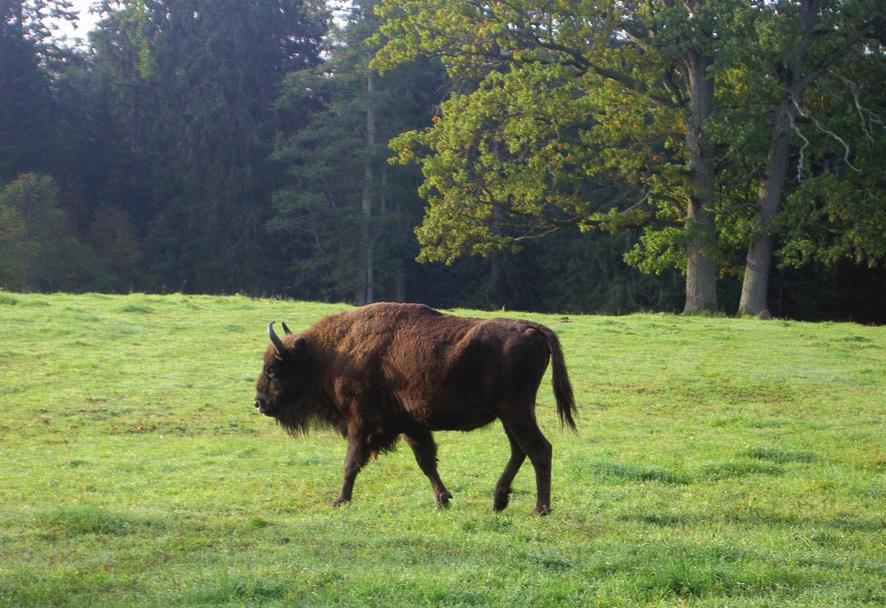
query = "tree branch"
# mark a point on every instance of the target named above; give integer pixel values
(825, 130)
(805, 145)
(866, 116)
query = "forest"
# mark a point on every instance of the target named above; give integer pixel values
(646, 155)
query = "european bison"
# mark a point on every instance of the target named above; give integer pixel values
(385, 370)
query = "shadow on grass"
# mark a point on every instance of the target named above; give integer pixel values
(713, 472)
(770, 519)
(227, 589)
(762, 519)
(779, 455)
(550, 561)
(659, 519)
(136, 309)
(690, 572)
(64, 587)
(614, 470)
(730, 470)
(80, 520)
(688, 579)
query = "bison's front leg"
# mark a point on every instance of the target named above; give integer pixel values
(355, 459)
(422, 443)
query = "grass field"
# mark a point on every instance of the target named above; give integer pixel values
(719, 462)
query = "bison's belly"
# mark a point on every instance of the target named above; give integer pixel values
(458, 417)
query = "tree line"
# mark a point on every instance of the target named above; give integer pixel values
(609, 157)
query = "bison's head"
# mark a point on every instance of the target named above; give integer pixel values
(281, 381)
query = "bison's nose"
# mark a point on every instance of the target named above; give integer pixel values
(260, 404)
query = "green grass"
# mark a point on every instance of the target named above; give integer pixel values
(719, 462)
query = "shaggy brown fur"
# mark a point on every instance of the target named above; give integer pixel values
(385, 370)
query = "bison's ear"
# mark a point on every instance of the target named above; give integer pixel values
(298, 349)
(294, 353)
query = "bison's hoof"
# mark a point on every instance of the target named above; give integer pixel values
(443, 499)
(500, 499)
(340, 501)
(542, 510)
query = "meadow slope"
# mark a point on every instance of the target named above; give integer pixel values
(719, 462)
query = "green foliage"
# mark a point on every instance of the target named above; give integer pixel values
(36, 243)
(140, 475)
(607, 88)
(607, 121)
(26, 134)
(37, 21)
(837, 208)
(190, 88)
(828, 71)
(659, 249)
(220, 147)
(14, 248)
(132, 23)
(507, 163)
(320, 209)
(114, 239)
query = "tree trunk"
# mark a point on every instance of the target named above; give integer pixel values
(701, 272)
(365, 292)
(755, 286)
(393, 253)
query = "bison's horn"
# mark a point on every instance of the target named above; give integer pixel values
(277, 342)
(286, 329)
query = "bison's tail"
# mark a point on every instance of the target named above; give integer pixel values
(562, 388)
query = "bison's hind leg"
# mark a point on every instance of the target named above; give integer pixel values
(422, 443)
(522, 427)
(502, 494)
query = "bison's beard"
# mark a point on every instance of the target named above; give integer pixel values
(301, 417)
